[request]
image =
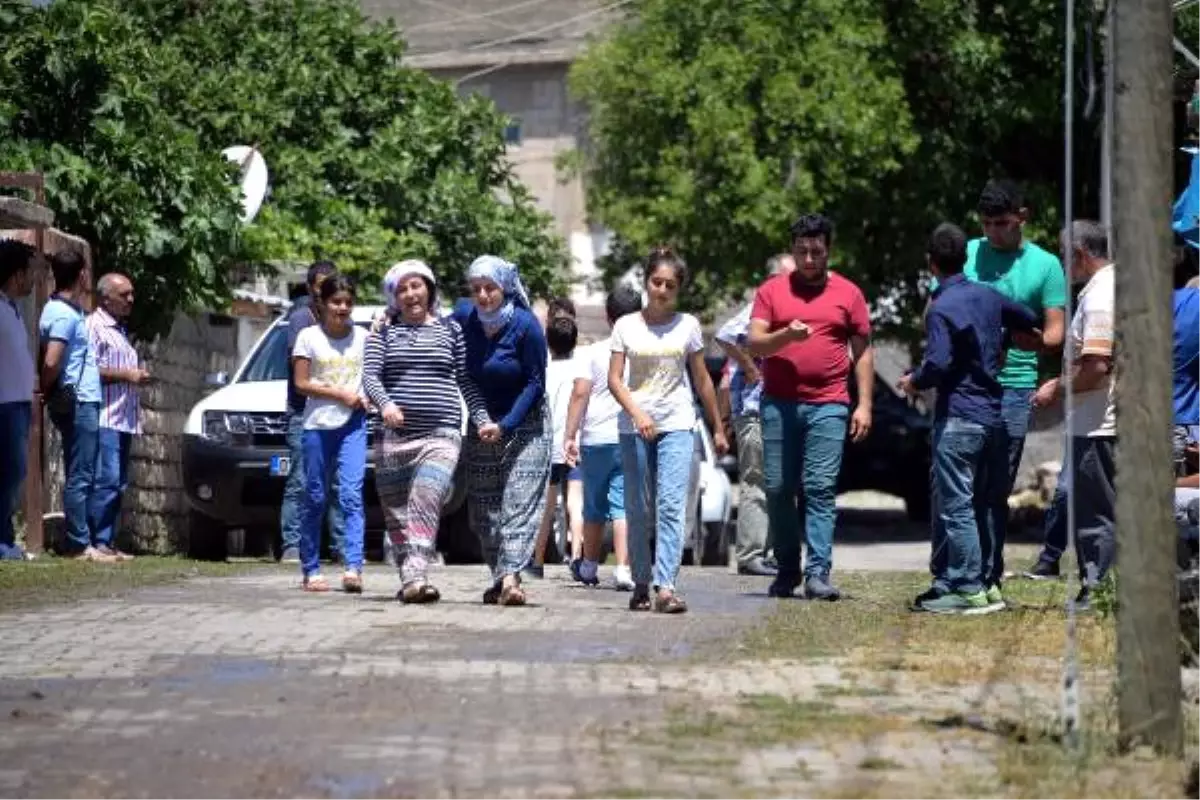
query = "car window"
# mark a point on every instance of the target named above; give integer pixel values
(270, 361)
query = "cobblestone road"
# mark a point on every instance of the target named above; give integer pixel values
(246, 686)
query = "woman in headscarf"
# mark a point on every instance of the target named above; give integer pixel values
(508, 460)
(414, 367)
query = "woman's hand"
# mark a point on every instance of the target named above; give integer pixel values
(644, 425)
(393, 417)
(353, 400)
(490, 433)
(721, 443)
(571, 453)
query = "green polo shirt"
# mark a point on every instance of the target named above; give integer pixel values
(1029, 275)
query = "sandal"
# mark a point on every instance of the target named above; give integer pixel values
(315, 583)
(640, 601)
(492, 596)
(512, 595)
(352, 582)
(418, 594)
(669, 604)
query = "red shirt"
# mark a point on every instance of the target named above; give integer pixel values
(815, 370)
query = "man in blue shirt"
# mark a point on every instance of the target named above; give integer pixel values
(70, 380)
(966, 328)
(303, 314)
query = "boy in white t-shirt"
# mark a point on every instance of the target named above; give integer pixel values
(592, 441)
(561, 337)
(328, 361)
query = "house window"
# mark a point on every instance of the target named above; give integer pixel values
(512, 133)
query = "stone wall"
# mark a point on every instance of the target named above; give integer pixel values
(155, 509)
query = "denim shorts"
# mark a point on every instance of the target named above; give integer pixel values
(603, 483)
(561, 474)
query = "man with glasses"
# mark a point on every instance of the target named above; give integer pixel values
(1033, 277)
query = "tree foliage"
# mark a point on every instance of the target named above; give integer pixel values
(714, 124)
(127, 105)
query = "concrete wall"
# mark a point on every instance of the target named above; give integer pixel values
(547, 124)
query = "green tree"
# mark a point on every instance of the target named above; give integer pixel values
(712, 123)
(127, 106)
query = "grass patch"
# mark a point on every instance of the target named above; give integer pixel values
(875, 628)
(50, 579)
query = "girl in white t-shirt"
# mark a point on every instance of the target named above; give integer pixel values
(328, 365)
(657, 446)
(561, 337)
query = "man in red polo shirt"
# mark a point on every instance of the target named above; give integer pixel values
(810, 327)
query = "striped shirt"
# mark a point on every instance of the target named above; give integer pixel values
(119, 408)
(421, 370)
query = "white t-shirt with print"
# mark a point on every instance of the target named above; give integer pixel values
(658, 376)
(1091, 334)
(334, 363)
(560, 380)
(600, 422)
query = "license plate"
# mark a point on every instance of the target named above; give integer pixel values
(281, 465)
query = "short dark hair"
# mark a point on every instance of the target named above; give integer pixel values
(337, 282)
(319, 269)
(15, 257)
(947, 248)
(999, 197)
(621, 301)
(560, 305)
(663, 256)
(67, 266)
(562, 335)
(813, 226)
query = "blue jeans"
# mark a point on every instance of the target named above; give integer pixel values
(1055, 527)
(969, 466)
(1015, 409)
(342, 453)
(112, 478)
(657, 476)
(802, 444)
(80, 443)
(292, 511)
(14, 448)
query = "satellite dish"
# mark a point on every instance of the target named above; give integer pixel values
(254, 178)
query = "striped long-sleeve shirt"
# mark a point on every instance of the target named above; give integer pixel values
(120, 407)
(422, 369)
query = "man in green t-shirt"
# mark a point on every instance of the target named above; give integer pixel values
(1024, 272)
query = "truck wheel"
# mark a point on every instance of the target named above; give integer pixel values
(457, 541)
(206, 538)
(917, 504)
(716, 544)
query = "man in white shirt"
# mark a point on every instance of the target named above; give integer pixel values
(1091, 422)
(19, 267)
(598, 452)
(745, 390)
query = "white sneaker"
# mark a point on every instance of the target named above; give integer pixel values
(622, 579)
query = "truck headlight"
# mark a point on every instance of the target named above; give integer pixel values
(226, 428)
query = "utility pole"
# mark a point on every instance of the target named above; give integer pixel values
(1148, 684)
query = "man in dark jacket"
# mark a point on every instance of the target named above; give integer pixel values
(303, 313)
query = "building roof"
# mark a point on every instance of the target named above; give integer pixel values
(448, 34)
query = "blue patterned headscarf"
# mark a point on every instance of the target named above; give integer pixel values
(406, 269)
(504, 274)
